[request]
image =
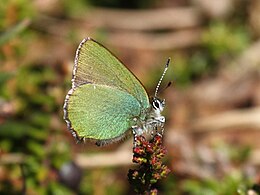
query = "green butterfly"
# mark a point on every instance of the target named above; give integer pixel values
(106, 100)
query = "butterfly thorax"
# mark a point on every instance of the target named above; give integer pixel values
(150, 120)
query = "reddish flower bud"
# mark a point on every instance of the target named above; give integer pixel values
(148, 154)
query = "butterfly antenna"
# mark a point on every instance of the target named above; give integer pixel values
(160, 81)
(167, 86)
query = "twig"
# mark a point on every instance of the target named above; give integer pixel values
(172, 18)
(109, 159)
(231, 119)
(13, 158)
(149, 41)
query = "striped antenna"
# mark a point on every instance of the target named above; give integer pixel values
(160, 81)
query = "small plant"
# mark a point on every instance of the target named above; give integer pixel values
(148, 154)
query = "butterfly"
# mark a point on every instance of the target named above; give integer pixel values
(106, 101)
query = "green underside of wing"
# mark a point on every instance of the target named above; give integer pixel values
(97, 65)
(101, 112)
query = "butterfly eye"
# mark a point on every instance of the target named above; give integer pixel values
(156, 104)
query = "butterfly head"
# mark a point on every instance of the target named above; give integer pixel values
(157, 104)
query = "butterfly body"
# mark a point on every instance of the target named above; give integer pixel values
(151, 120)
(106, 100)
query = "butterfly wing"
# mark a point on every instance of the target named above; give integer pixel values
(95, 64)
(105, 95)
(103, 114)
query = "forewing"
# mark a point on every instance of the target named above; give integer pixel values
(100, 112)
(96, 65)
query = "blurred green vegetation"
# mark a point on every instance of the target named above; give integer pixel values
(226, 186)
(32, 94)
(220, 44)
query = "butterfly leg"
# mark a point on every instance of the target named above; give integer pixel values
(137, 130)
